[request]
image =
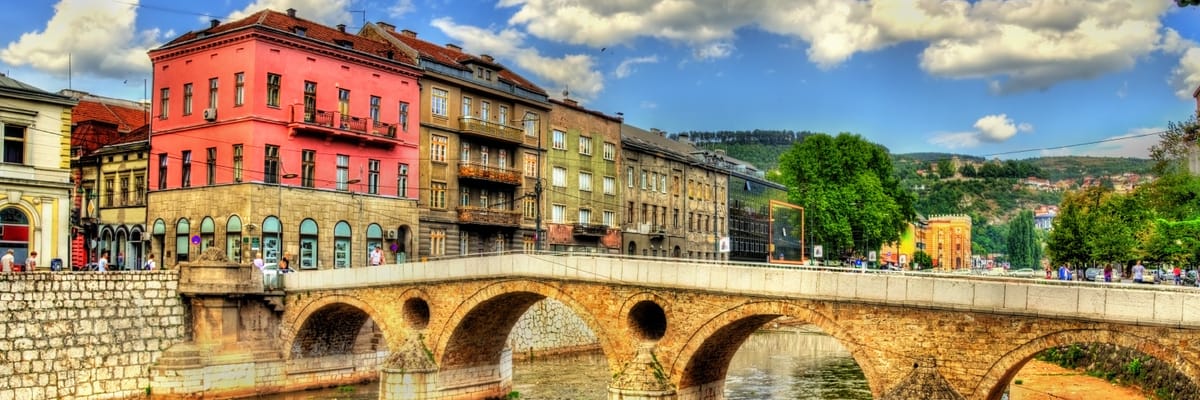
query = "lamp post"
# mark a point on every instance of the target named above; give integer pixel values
(279, 232)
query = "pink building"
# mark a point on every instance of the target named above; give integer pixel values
(277, 135)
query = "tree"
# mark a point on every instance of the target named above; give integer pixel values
(1024, 249)
(922, 259)
(1185, 3)
(967, 170)
(851, 197)
(1174, 145)
(945, 169)
(1067, 243)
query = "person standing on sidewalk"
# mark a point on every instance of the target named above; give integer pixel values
(6, 262)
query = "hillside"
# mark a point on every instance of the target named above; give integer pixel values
(1075, 167)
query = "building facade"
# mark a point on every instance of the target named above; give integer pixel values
(583, 197)
(947, 240)
(35, 174)
(278, 136)
(751, 233)
(481, 134)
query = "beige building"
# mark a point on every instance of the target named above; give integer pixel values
(35, 175)
(583, 197)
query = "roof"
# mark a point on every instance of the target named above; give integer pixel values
(575, 106)
(287, 23)
(638, 137)
(13, 88)
(458, 59)
(125, 114)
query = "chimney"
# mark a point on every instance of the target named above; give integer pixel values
(571, 102)
(486, 57)
(454, 47)
(685, 138)
(213, 23)
(657, 131)
(291, 12)
(386, 26)
(341, 28)
(408, 33)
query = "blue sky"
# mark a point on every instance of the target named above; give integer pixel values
(984, 77)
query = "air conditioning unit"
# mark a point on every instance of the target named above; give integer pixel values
(391, 234)
(210, 114)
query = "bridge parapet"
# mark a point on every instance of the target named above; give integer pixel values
(1124, 303)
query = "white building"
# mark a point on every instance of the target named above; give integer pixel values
(35, 179)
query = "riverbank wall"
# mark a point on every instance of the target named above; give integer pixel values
(85, 335)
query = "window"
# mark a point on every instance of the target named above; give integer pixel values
(375, 108)
(466, 107)
(344, 102)
(212, 93)
(629, 212)
(501, 201)
(585, 145)
(273, 90)
(182, 231)
(239, 89)
(233, 239)
(502, 158)
(483, 155)
(484, 109)
(558, 140)
(343, 172)
(531, 165)
(662, 183)
(530, 207)
(308, 167)
(271, 164)
(438, 102)
(237, 163)
(610, 185)
(528, 243)
(464, 243)
(404, 116)
(610, 151)
(310, 101)
(503, 117)
(341, 245)
(653, 182)
(483, 199)
(185, 176)
(530, 121)
(211, 166)
(464, 196)
(14, 144)
(402, 181)
(610, 218)
(308, 244)
(559, 177)
(643, 180)
(109, 188)
(585, 216)
(187, 99)
(437, 199)
(164, 102)
(437, 151)
(585, 181)
(373, 176)
(139, 189)
(629, 176)
(437, 242)
(162, 171)
(465, 153)
(558, 213)
(272, 239)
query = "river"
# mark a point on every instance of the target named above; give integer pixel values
(773, 364)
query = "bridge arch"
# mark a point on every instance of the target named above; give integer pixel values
(706, 355)
(477, 329)
(1005, 369)
(332, 320)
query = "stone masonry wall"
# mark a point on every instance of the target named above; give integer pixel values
(549, 327)
(91, 335)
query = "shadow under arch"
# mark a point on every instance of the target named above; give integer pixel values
(706, 355)
(332, 320)
(1005, 369)
(478, 327)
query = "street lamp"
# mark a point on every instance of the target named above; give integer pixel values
(279, 216)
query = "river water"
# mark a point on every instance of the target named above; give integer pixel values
(794, 363)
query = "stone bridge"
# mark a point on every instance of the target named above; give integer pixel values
(668, 329)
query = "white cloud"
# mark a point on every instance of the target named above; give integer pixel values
(574, 72)
(1186, 77)
(328, 12)
(628, 66)
(99, 37)
(1136, 143)
(400, 8)
(990, 128)
(713, 51)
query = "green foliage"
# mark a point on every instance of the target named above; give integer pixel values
(513, 395)
(922, 258)
(851, 196)
(945, 169)
(987, 238)
(1024, 248)
(759, 147)
(346, 389)
(1077, 167)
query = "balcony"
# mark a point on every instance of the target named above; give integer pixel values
(592, 230)
(474, 170)
(487, 216)
(658, 231)
(490, 129)
(336, 125)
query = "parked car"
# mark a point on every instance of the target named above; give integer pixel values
(1093, 275)
(1023, 273)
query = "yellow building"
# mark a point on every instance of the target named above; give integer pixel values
(946, 238)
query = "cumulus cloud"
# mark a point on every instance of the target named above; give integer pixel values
(1185, 78)
(712, 51)
(574, 72)
(401, 7)
(629, 65)
(99, 38)
(990, 128)
(328, 12)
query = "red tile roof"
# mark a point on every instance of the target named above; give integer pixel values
(278, 21)
(458, 59)
(125, 118)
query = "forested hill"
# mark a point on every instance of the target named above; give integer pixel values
(758, 147)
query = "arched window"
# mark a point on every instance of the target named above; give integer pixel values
(341, 245)
(207, 228)
(374, 239)
(182, 230)
(233, 239)
(15, 226)
(159, 232)
(272, 233)
(308, 244)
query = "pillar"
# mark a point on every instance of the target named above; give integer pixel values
(643, 378)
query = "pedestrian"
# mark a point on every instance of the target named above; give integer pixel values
(376, 256)
(1108, 273)
(31, 261)
(1138, 272)
(121, 261)
(6, 262)
(1063, 273)
(102, 264)
(149, 263)
(1178, 275)
(284, 265)
(258, 261)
